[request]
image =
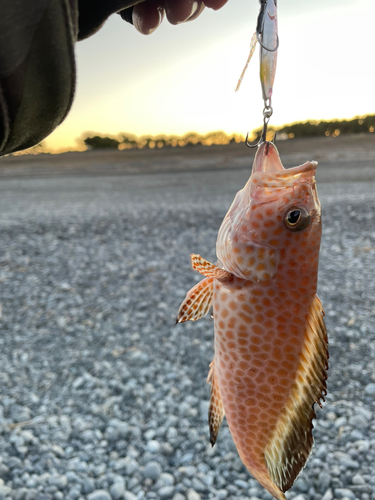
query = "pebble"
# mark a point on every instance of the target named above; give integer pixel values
(130, 496)
(344, 493)
(117, 490)
(75, 493)
(358, 421)
(88, 485)
(193, 495)
(152, 470)
(167, 479)
(178, 496)
(324, 481)
(370, 389)
(153, 446)
(59, 481)
(328, 495)
(358, 479)
(99, 495)
(4, 491)
(166, 492)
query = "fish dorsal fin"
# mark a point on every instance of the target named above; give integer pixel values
(216, 409)
(291, 442)
(208, 269)
(198, 301)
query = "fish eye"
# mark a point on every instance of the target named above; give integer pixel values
(296, 219)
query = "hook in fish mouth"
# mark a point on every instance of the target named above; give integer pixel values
(259, 142)
(267, 113)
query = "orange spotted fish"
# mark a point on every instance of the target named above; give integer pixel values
(271, 355)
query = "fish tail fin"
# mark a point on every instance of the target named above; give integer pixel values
(197, 303)
(273, 489)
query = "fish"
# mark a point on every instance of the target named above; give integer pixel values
(271, 347)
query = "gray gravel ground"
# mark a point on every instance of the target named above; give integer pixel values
(92, 272)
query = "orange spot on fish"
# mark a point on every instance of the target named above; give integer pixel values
(233, 305)
(274, 242)
(261, 253)
(230, 334)
(231, 322)
(257, 329)
(244, 317)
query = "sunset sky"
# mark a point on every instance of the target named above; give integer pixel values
(182, 78)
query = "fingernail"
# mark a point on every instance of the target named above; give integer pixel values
(139, 24)
(161, 13)
(196, 10)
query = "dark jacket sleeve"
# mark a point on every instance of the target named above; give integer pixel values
(37, 66)
(37, 69)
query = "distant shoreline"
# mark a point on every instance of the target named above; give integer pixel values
(350, 148)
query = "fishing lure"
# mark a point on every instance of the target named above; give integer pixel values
(267, 35)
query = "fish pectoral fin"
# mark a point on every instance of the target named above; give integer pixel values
(208, 269)
(198, 301)
(216, 410)
(290, 445)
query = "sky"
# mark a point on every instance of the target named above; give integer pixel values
(182, 78)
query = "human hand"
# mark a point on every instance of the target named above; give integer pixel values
(148, 15)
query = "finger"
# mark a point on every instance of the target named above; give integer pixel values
(147, 17)
(179, 11)
(215, 4)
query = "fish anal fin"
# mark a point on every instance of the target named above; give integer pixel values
(290, 445)
(216, 409)
(197, 303)
(208, 269)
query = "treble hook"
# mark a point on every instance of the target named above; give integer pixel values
(260, 25)
(267, 113)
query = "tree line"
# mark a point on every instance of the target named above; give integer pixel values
(311, 128)
(328, 128)
(130, 141)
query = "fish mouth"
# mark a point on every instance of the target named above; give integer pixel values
(285, 178)
(269, 172)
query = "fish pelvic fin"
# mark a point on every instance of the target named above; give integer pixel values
(290, 445)
(216, 410)
(198, 301)
(208, 269)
